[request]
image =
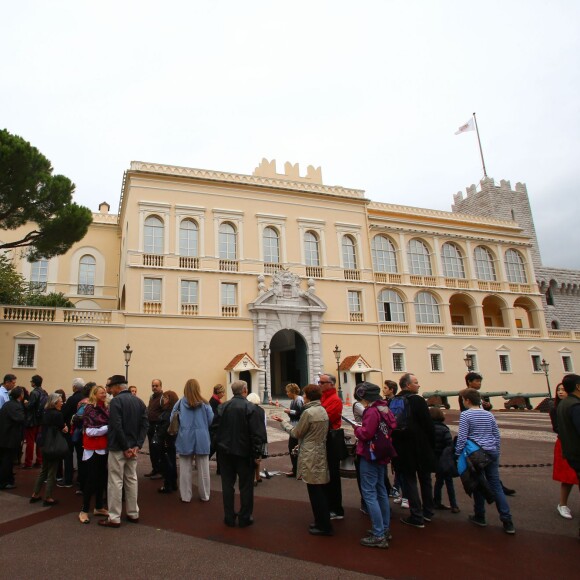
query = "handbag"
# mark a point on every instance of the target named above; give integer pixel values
(336, 444)
(54, 444)
(174, 424)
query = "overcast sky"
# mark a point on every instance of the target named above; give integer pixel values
(372, 91)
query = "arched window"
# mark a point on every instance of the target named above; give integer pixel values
(391, 307)
(514, 267)
(228, 242)
(311, 249)
(452, 261)
(349, 253)
(87, 270)
(426, 309)
(419, 260)
(271, 241)
(484, 267)
(188, 238)
(154, 234)
(384, 255)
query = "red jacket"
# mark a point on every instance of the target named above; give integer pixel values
(333, 407)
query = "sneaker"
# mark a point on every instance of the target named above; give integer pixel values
(412, 522)
(405, 503)
(394, 492)
(63, 484)
(508, 491)
(440, 506)
(508, 527)
(398, 499)
(374, 542)
(564, 511)
(477, 520)
(334, 516)
(427, 518)
(455, 510)
(387, 533)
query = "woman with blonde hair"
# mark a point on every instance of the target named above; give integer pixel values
(95, 429)
(193, 441)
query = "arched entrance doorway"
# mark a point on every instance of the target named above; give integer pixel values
(288, 362)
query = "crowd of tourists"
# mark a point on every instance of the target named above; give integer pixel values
(103, 428)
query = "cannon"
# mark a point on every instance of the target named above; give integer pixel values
(521, 400)
(440, 398)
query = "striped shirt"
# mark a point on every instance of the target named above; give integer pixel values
(479, 426)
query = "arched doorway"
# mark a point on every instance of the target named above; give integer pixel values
(288, 362)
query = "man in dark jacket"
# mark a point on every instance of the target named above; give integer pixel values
(154, 410)
(68, 410)
(34, 412)
(416, 459)
(240, 434)
(11, 433)
(126, 434)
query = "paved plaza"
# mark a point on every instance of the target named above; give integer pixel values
(174, 539)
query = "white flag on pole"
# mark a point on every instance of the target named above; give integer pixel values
(469, 126)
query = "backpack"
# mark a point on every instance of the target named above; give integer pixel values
(399, 407)
(381, 445)
(39, 411)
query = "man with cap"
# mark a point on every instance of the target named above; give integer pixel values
(68, 410)
(126, 433)
(373, 467)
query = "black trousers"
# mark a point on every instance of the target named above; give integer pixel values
(155, 451)
(231, 468)
(319, 505)
(96, 481)
(169, 465)
(333, 488)
(293, 458)
(81, 465)
(418, 505)
(7, 466)
(68, 461)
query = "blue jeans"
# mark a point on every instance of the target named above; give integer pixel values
(492, 476)
(374, 492)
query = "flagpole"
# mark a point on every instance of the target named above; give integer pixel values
(480, 149)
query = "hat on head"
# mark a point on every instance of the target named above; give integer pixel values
(368, 392)
(117, 380)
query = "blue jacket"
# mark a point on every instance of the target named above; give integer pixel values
(194, 422)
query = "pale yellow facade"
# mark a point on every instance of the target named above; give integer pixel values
(201, 266)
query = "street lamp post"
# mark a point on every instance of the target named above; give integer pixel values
(468, 363)
(337, 353)
(265, 350)
(545, 366)
(127, 353)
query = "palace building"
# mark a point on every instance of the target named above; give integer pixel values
(274, 278)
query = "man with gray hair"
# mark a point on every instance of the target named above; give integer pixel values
(239, 433)
(127, 428)
(68, 411)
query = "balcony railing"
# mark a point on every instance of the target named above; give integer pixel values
(86, 289)
(87, 316)
(228, 265)
(154, 260)
(352, 274)
(386, 278)
(188, 262)
(151, 307)
(430, 329)
(497, 331)
(356, 316)
(461, 330)
(313, 271)
(529, 332)
(189, 309)
(57, 315)
(493, 286)
(520, 288)
(423, 280)
(394, 327)
(34, 314)
(456, 283)
(229, 311)
(272, 267)
(553, 333)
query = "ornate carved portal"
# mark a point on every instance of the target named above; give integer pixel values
(278, 312)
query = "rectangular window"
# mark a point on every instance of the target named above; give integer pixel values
(436, 362)
(504, 363)
(536, 363)
(519, 323)
(189, 291)
(229, 298)
(86, 357)
(567, 364)
(152, 290)
(354, 306)
(25, 355)
(398, 362)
